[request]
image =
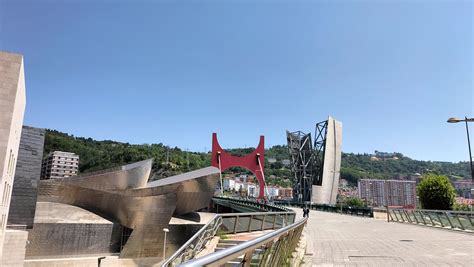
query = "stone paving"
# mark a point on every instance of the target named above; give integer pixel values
(343, 240)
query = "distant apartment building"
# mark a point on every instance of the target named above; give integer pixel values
(59, 165)
(285, 193)
(388, 192)
(463, 187)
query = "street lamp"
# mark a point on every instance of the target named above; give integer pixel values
(166, 230)
(466, 120)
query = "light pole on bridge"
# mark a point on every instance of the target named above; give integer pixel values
(466, 120)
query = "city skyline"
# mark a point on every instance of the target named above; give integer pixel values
(173, 73)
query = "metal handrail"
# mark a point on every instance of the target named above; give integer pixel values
(221, 257)
(441, 211)
(455, 220)
(190, 241)
(217, 217)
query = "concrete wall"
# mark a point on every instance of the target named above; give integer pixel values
(108, 261)
(60, 239)
(327, 192)
(28, 171)
(12, 109)
(14, 248)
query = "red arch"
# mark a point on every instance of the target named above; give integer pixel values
(249, 161)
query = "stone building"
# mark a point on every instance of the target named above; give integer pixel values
(12, 109)
(59, 164)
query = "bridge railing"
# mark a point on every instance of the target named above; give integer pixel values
(229, 223)
(268, 206)
(456, 220)
(272, 249)
(356, 211)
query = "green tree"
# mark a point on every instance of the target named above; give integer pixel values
(436, 192)
(354, 202)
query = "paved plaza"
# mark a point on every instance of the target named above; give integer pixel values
(343, 240)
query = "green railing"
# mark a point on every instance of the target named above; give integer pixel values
(455, 220)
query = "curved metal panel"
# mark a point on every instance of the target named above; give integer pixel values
(129, 176)
(121, 196)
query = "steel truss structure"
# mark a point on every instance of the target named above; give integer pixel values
(319, 149)
(307, 161)
(301, 155)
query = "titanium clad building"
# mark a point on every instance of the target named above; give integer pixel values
(12, 109)
(27, 175)
(59, 165)
(326, 193)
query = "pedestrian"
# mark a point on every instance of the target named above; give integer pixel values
(307, 212)
(304, 212)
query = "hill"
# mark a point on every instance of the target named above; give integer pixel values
(96, 155)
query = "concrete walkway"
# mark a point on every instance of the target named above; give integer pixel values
(343, 240)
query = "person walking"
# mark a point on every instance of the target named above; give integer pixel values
(307, 212)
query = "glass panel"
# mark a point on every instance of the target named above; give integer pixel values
(269, 222)
(437, 219)
(227, 225)
(256, 224)
(444, 220)
(291, 219)
(454, 220)
(393, 215)
(411, 216)
(402, 216)
(243, 224)
(279, 221)
(465, 222)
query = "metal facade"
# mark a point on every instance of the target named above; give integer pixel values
(27, 175)
(122, 195)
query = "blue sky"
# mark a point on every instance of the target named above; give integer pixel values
(176, 71)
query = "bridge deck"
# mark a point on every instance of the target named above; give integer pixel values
(342, 240)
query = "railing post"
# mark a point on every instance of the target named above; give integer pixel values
(440, 221)
(421, 214)
(460, 223)
(274, 221)
(408, 217)
(235, 223)
(263, 222)
(388, 215)
(449, 220)
(250, 222)
(414, 215)
(247, 259)
(431, 219)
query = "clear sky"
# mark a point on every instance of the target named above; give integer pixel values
(176, 71)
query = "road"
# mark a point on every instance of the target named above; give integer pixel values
(343, 240)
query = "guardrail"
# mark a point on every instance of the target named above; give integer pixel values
(455, 220)
(272, 249)
(357, 211)
(251, 203)
(229, 223)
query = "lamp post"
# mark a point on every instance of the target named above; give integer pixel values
(166, 230)
(466, 120)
